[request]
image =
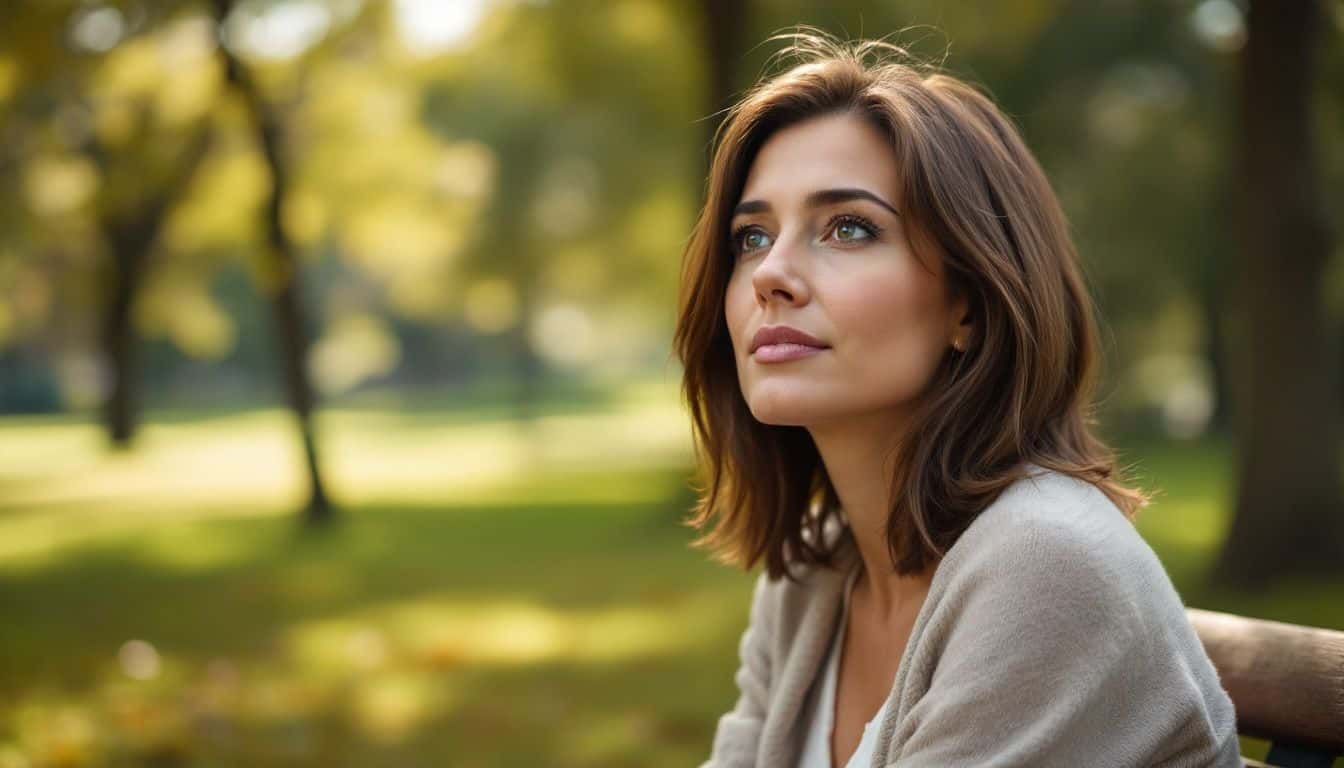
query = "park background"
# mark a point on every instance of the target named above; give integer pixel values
(338, 421)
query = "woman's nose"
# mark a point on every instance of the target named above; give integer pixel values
(777, 279)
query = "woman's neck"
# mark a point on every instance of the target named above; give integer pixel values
(859, 460)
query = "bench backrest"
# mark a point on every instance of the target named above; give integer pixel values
(1286, 682)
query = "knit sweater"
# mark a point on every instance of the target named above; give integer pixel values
(1051, 635)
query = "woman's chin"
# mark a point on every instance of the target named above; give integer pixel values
(782, 414)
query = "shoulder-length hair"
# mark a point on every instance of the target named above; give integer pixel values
(1021, 391)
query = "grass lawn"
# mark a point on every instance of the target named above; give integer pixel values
(495, 595)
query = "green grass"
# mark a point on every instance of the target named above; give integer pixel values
(493, 596)
(408, 636)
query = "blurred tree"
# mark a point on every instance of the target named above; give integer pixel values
(129, 235)
(103, 169)
(113, 136)
(501, 190)
(723, 26)
(590, 112)
(283, 269)
(1289, 509)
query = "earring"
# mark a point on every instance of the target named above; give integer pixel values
(956, 344)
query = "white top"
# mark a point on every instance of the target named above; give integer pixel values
(817, 745)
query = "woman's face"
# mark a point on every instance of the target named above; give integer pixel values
(821, 248)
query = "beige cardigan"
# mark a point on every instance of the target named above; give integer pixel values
(1050, 636)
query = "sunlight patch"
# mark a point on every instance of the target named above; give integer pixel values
(388, 707)
(448, 633)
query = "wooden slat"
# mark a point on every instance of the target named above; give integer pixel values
(1286, 681)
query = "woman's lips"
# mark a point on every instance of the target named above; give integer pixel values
(781, 343)
(780, 353)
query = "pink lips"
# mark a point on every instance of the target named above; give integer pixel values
(781, 343)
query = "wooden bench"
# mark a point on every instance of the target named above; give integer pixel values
(1286, 682)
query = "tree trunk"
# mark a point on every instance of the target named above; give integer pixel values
(528, 367)
(722, 34)
(1212, 289)
(130, 237)
(283, 269)
(1288, 505)
(121, 407)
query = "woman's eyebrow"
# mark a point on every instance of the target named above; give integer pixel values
(819, 198)
(832, 196)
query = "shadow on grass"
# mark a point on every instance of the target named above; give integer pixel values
(485, 634)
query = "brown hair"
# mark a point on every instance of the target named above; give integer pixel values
(1020, 392)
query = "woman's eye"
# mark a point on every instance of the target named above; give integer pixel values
(850, 230)
(751, 239)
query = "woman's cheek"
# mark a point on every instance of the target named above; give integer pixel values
(734, 311)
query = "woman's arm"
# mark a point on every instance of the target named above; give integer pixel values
(739, 730)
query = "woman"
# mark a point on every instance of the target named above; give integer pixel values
(889, 352)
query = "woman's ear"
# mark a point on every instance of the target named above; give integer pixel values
(963, 325)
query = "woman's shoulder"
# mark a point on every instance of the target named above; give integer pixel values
(1046, 532)
(1053, 576)
(1051, 512)
(1050, 532)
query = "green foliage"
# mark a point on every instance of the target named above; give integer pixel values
(532, 174)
